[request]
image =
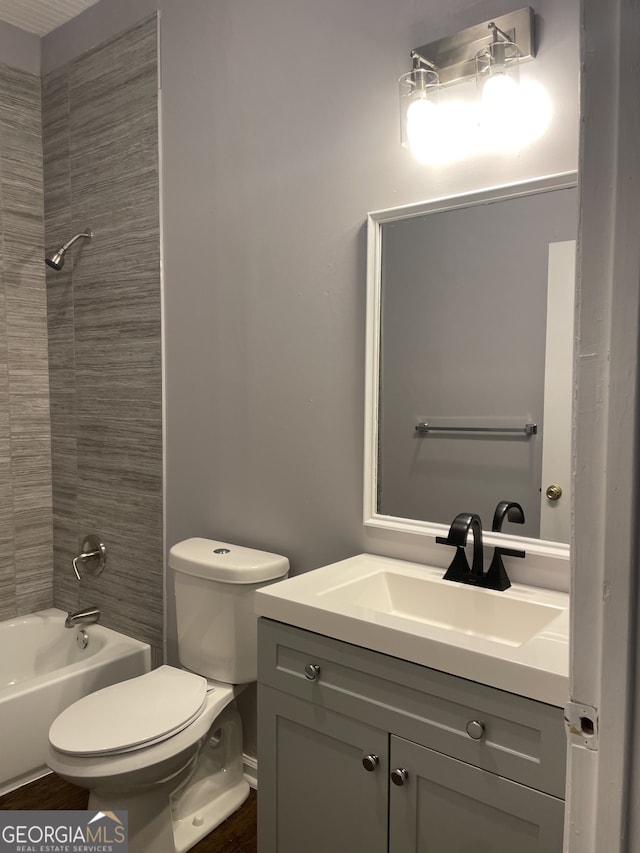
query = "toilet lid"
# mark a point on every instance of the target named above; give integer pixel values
(131, 714)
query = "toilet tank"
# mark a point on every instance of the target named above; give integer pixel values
(214, 584)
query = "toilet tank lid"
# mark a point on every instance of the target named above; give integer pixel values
(221, 561)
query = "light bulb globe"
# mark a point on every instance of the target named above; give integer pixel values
(421, 116)
(499, 92)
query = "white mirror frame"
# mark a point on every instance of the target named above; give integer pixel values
(375, 221)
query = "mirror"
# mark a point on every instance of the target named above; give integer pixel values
(469, 359)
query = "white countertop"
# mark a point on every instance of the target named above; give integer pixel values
(493, 637)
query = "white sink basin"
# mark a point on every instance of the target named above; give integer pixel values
(516, 640)
(455, 607)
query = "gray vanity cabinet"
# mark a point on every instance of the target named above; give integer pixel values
(319, 799)
(447, 806)
(482, 770)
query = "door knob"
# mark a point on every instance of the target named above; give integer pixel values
(370, 762)
(312, 671)
(399, 776)
(554, 492)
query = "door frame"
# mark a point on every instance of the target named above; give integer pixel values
(604, 549)
(555, 513)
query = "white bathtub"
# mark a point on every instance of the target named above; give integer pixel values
(42, 671)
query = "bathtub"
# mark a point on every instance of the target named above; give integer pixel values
(43, 669)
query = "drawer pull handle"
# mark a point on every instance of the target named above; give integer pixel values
(475, 729)
(370, 762)
(399, 776)
(312, 671)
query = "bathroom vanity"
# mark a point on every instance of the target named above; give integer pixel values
(364, 747)
(399, 711)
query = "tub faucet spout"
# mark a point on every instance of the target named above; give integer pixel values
(82, 617)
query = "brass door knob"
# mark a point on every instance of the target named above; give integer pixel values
(554, 492)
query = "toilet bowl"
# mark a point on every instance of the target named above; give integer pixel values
(167, 746)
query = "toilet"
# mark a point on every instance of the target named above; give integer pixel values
(167, 746)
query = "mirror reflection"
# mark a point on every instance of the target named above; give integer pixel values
(475, 361)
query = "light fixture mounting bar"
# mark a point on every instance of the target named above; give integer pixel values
(454, 56)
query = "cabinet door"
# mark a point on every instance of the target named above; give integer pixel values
(447, 806)
(314, 795)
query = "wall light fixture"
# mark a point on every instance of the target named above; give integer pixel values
(490, 53)
(498, 82)
(418, 101)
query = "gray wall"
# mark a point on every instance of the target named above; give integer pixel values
(26, 581)
(100, 130)
(279, 132)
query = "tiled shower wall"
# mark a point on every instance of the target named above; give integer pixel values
(100, 140)
(26, 581)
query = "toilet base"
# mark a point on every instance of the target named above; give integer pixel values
(189, 829)
(154, 828)
(217, 786)
(174, 813)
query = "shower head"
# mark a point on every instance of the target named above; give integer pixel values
(56, 260)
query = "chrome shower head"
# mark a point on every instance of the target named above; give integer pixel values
(56, 260)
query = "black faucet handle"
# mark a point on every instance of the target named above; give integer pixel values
(510, 552)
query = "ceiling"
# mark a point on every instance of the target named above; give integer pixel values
(41, 16)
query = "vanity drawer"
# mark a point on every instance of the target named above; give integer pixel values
(509, 735)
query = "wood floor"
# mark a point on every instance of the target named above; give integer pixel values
(236, 835)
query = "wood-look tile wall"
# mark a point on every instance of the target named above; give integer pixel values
(26, 582)
(100, 139)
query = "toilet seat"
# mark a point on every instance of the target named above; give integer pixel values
(158, 759)
(130, 715)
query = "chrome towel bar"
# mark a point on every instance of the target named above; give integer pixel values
(527, 430)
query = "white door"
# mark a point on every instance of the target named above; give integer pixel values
(555, 506)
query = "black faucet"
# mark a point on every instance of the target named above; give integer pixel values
(459, 569)
(496, 577)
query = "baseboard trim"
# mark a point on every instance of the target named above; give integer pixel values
(250, 769)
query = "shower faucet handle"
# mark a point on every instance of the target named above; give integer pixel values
(93, 557)
(74, 563)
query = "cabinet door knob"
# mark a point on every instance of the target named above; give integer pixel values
(370, 762)
(475, 729)
(399, 776)
(312, 671)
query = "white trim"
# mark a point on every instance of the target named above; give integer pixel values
(250, 770)
(606, 455)
(555, 515)
(375, 220)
